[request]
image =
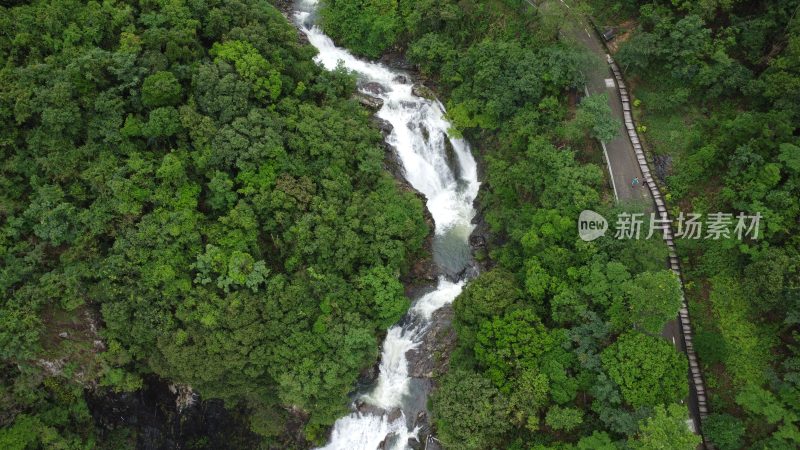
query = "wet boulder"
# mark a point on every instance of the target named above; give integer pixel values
(396, 60)
(368, 375)
(433, 444)
(373, 87)
(394, 414)
(384, 125)
(431, 357)
(423, 91)
(480, 240)
(373, 103)
(415, 444)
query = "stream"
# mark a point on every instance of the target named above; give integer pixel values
(443, 170)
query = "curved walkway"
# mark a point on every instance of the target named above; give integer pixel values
(626, 160)
(674, 262)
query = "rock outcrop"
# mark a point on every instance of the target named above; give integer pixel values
(432, 356)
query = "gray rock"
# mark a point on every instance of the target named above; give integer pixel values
(402, 79)
(452, 158)
(396, 60)
(393, 164)
(480, 240)
(373, 103)
(368, 376)
(373, 87)
(431, 357)
(423, 91)
(395, 414)
(422, 423)
(433, 444)
(415, 444)
(384, 125)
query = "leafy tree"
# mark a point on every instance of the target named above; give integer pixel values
(779, 411)
(367, 27)
(432, 51)
(469, 412)
(161, 89)
(597, 441)
(252, 66)
(725, 431)
(566, 419)
(529, 395)
(490, 294)
(384, 294)
(510, 343)
(648, 301)
(647, 369)
(666, 429)
(594, 118)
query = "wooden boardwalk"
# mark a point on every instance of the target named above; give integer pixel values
(685, 323)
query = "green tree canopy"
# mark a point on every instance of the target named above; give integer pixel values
(647, 302)
(666, 429)
(647, 369)
(594, 118)
(469, 411)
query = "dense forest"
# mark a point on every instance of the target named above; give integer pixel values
(718, 87)
(187, 199)
(556, 346)
(185, 194)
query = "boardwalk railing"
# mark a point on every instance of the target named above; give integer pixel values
(686, 330)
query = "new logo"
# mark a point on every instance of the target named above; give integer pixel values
(591, 225)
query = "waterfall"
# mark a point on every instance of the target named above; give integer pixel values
(443, 170)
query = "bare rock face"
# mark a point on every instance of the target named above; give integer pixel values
(152, 413)
(54, 367)
(431, 357)
(393, 165)
(424, 270)
(368, 376)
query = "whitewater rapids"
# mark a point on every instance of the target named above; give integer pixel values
(443, 170)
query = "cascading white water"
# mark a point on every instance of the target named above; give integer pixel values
(420, 138)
